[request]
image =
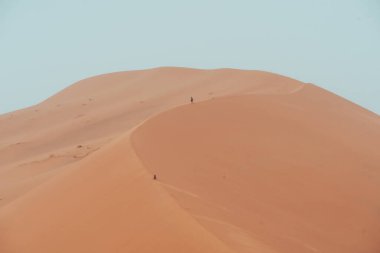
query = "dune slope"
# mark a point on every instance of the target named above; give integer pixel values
(297, 173)
(108, 203)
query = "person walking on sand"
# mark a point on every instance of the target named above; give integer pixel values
(191, 99)
(154, 177)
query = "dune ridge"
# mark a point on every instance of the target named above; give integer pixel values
(94, 111)
(79, 178)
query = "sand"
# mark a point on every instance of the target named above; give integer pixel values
(259, 163)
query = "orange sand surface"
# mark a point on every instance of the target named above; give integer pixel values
(259, 163)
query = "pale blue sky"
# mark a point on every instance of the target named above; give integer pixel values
(46, 45)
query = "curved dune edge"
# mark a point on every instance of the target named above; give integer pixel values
(47, 201)
(108, 202)
(299, 176)
(72, 212)
(37, 143)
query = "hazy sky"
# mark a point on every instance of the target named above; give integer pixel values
(46, 45)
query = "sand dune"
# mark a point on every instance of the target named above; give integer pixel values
(260, 163)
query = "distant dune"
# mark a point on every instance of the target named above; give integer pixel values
(259, 163)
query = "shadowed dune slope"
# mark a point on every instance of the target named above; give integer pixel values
(292, 173)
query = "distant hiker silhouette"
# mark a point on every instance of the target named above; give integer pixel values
(191, 99)
(154, 177)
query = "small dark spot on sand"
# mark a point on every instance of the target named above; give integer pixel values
(79, 146)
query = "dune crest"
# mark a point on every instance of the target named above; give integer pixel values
(96, 110)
